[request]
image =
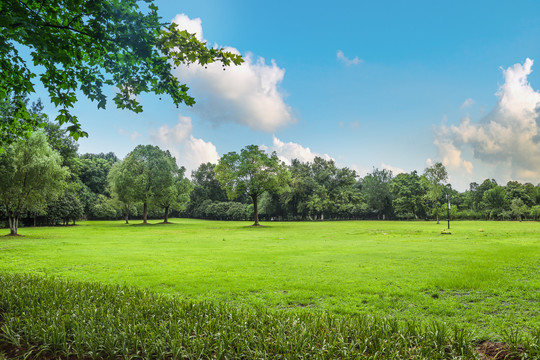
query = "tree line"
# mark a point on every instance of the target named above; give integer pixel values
(44, 181)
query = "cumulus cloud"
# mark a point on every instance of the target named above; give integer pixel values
(507, 138)
(393, 169)
(287, 151)
(341, 57)
(467, 103)
(248, 94)
(189, 151)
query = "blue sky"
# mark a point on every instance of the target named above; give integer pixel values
(396, 84)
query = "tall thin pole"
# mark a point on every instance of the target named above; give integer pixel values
(448, 210)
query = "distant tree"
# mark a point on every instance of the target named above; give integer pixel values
(149, 174)
(30, 175)
(94, 170)
(84, 46)
(104, 208)
(376, 190)
(435, 175)
(176, 196)
(495, 200)
(535, 212)
(67, 207)
(252, 172)
(518, 208)
(407, 194)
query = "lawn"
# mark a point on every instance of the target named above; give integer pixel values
(483, 276)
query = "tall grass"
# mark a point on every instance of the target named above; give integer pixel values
(58, 318)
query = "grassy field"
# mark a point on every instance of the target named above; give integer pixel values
(484, 276)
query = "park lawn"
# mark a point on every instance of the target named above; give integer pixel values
(484, 276)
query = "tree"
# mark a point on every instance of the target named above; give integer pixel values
(518, 208)
(87, 45)
(407, 193)
(30, 174)
(376, 189)
(94, 169)
(177, 194)
(67, 206)
(252, 172)
(144, 176)
(435, 176)
(495, 200)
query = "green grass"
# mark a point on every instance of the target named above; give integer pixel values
(50, 318)
(484, 277)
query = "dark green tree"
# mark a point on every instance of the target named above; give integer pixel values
(77, 45)
(376, 190)
(407, 194)
(252, 172)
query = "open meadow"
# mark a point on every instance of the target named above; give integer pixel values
(484, 276)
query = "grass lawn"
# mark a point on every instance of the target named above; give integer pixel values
(484, 276)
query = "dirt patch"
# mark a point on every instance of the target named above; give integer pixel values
(498, 351)
(14, 235)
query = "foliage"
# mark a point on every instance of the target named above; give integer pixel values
(251, 172)
(104, 208)
(56, 318)
(18, 119)
(495, 200)
(68, 206)
(94, 170)
(376, 190)
(30, 174)
(407, 195)
(435, 175)
(88, 45)
(146, 175)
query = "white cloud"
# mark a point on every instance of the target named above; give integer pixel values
(192, 26)
(393, 169)
(341, 57)
(507, 139)
(189, 151)
(467, 103)
(248, 94)
(133, 136)
(289, 151)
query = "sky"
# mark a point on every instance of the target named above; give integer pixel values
(371, 84)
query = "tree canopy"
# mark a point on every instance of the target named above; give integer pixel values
(251, 172)
(30, 174)
(76, 45)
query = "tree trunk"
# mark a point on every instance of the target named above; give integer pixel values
(438, 217)
(145, 213)
(255, 209)
(322, 216)
(166, 214)
(126, 212)
(13, 225)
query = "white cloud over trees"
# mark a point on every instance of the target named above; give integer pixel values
(188, 150)
(248, 94)
(507, 139)
(287, 151)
